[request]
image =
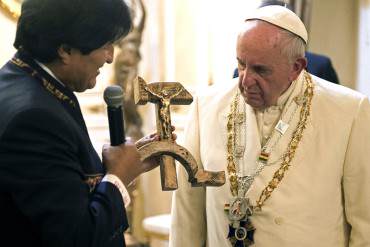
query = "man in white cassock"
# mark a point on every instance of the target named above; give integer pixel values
(296, 150)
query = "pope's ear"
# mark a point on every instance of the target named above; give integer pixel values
(64, 52)
(299, 65)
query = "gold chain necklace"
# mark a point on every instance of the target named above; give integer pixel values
(241, 230)
(231, 166)
(45, 83)
(292, 146)
(287, 156)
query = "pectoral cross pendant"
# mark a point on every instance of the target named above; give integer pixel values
(242, 235)
(241, 229)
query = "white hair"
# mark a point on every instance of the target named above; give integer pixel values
(292, 46)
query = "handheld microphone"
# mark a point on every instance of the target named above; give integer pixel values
(113, 96)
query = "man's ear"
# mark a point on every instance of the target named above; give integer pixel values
(64, 52)
(299, 65)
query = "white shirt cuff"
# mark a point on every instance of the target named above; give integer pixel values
(120, 186)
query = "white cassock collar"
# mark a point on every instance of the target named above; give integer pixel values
(44, 67)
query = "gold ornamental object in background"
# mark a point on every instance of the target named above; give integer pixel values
(11, 7)
(163, 94)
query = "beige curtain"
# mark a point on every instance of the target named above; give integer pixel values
(363, 50)
(303, 9)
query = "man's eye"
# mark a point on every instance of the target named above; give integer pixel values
(261, 70)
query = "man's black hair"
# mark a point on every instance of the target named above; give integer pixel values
(46, 25)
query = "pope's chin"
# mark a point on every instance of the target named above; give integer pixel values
(254, 103)
(252, 99)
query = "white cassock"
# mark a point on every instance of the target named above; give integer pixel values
(323, 199)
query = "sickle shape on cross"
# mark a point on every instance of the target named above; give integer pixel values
(163, 94)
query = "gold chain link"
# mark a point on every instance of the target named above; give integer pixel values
(47, 85)
(287, 156)
(292, 146)
(231, 166)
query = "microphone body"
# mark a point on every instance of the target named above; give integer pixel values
(116, 132)
(113, 96)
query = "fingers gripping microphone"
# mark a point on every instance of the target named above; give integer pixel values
(113, 96)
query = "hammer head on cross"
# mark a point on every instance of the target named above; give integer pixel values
(157, 91)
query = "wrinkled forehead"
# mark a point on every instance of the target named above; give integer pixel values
(258, 33)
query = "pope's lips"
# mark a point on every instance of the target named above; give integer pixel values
(252, 94)
(251, 90)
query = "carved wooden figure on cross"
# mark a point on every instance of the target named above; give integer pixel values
(163, 94)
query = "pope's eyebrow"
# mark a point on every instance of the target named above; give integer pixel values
(240, 61)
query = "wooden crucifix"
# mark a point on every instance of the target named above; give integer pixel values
(163, 94)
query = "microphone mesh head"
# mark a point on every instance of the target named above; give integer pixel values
(113, 96)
